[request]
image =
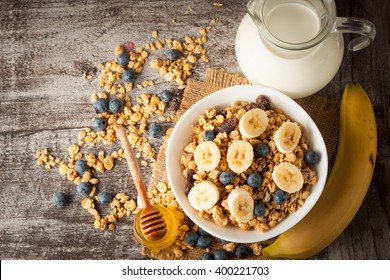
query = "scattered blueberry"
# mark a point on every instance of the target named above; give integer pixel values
(80, 166)
(312, 157)
(201, 231)
(155, 130)
(224, 241)
(104, 197)
(60, 199)
(191, 238)
(115, 105)
(208, 135)
(259, 210)
(166, 95)
(101, 105)
(99, 124)
(172, 54)
(128, 76)
(242, 251)
(254, 180)
(207, 256)
(261, 150)
(123, 59)
(279, 197)
(84, 189)
(203, 242)
(221, 254)
(226, 178)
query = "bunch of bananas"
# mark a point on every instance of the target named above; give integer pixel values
(347, 184)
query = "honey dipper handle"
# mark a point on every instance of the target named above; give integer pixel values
(133, 167)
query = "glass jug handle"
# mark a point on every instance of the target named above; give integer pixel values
(359, 26)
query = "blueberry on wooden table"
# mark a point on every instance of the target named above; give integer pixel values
(101, 105)
(221, 254)
(203, 242)
(115, 105)
(123, 59)
(242, 252)
(60, 199)
(166, 95)
(207, 256)
(99, 124)
(80, 166)
(172, 54)
(191, 238)
(155, 130)
(129, 76)
(104, 197)
(84, 189)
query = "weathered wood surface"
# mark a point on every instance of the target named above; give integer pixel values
(46, 45)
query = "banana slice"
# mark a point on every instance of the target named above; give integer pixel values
(287, 137)
(253, 123)
(207, 156)
(287, 177)
(239, 156)
(240, 204)
(203, 196)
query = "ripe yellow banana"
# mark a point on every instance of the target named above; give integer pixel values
(347, 184)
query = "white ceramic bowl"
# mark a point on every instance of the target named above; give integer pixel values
(182, 132)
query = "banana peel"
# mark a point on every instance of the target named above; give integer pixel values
(346, 186)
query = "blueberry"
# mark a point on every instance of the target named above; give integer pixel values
(128, 76)
(207, 256)
(104, 197)
(115, 105)
(123, 59)
(172, 54)
(254, 180)
(201, 231)
(60, 199)
(225, 241)
(279, 197)
(155, 130)
(191, 238)
(261, 150)
(242, 251)
(101, 105)
(80, 166)
(259, 210)
(166, 95)
(99, 124)
(208, 135)
(84, 189)
(312, 157)
(221, 254)
(226, 178)
(203, 242)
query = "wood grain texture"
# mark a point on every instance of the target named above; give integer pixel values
(46, 45)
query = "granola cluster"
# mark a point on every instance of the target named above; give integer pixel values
(274, 212)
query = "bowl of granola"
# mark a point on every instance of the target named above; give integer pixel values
(246, 163)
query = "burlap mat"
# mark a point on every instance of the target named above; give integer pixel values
(323, 111)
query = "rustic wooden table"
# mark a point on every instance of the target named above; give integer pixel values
(46, 46)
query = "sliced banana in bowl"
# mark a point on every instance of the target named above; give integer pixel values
(240, 156)
(203, 196)
(241, 205)
(207, 156)
(253, 123)
(287, 137)
(287, 177)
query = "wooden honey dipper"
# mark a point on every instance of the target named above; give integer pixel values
(152, 221)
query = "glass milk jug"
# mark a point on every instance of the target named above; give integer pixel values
(296, 46)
